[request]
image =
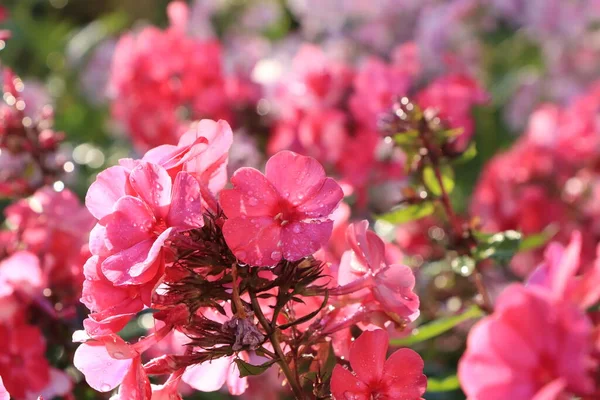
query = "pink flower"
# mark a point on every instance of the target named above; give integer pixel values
(530, 346)
(21, 280)
(286, 210)
(559, 274)
(210, 376)
(374, 377)
(364, 269)
(137, 212)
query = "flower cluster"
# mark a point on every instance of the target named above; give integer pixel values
(233, 274)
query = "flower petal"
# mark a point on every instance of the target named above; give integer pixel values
(186, 203)
(129, 224)
(102, 372)
(345, 385)
(135, 385)
(296, 177)
(208, 376)
(4, 395)
(110, 185)
(367, 356)
(301, 239)
(252, 195)
(403, 375)
(323, 201)
(152, 184)
(255, 241)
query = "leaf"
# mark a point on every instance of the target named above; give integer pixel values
(407, 138)
(408, 213)
(437, 327)
(432, 182)
(500, 247)
(247, 369)
(443, 385)
(537, 240)
(467, 155)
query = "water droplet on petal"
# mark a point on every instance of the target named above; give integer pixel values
(105, 387)
(296, 228)
(118, 355)
(276, 255)
(252, 201)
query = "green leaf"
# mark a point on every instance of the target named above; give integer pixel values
(437, 327)
(247, 369)
(407, 138)
(469, 154)
(408, 213)
(533, 242)
(500, 247)
(432, 182)
(443, 385)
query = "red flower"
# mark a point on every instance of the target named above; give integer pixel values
(400, 377)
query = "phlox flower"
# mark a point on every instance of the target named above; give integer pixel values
(366, 274)
(400, 377)
(281, 214)
(531, 347)
(137, 212)
(21, 280)
(4, 395)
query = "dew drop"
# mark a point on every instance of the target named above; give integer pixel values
(118, 355)
(105, 387)
(252, 201)
(276, 255)
(296, 229)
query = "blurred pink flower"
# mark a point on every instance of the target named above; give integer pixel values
(287, 209)
(21, 281)
(4, 395)
(374, 377)
(529, 348)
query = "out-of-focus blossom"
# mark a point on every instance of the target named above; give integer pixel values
(398, 377)
(507, 357)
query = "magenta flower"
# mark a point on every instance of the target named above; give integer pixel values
(138, 210)
(282, 214)
(530, 348)
(400, 377)
(364, 269)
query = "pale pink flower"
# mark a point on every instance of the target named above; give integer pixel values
(21, 280)
(374, 377)
(530, 346)
(365, 271)
(211, 375)
(138, 210)
(4, 395)
(287, 209)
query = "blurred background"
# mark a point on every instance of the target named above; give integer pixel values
(523, 54)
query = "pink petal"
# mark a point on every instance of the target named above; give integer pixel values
(552, 391)
(236, 385)
(109, 186)
(178, 14)
(102, 372)
(135, 385)
(301, 239)
(136, 265)
(403, 375)
(129, 224)
(568, 265)
(368, 247)
(367, 356)
(209, 376)
(153, 185)
(22, 270)
(171, 157)
(4, 395)
(296, 178)
(345, 385)
(261, 247)
(186, 203)
(252, 195)
(323, 201)
(60, 385)
(97, 241)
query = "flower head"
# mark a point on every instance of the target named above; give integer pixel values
(281, 214)
(374, 377)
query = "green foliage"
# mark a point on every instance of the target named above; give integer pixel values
(432, 183)
(500, 247)
(443, 385)
(247, 369)
(403, 214)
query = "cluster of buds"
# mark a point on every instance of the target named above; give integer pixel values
(28, 144)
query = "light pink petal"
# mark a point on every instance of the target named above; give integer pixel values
(255, 241)
(136, 265)
(110, 185)
(301, 239)
(97, 241)
(323, 201)
(296, 178)
(152, 184)
(129, 224)
(252, 195)
(60, 385)
(236, 385)
(209, 376)
(367, 356)
(135, 385)
(101, 371)
(170, 157)
(552, 391)
(568, 266)
(345, 385)
(4, 395)
(106, 326)
(403, 375)
(368, 247)
(186, 203)
(22, 271)
(211, 167)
